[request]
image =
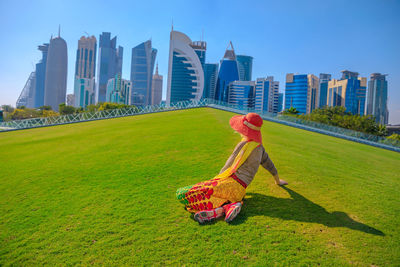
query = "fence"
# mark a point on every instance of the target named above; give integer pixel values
(286, 120)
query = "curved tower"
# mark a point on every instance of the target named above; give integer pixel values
(55, 88)
(228, 73)
(185, 70)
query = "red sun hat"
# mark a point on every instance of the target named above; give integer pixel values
(249, 125)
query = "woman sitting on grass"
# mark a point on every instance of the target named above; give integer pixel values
(223, 194)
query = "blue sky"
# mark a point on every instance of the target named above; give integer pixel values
(283, 36)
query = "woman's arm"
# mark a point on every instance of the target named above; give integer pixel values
(267, 163)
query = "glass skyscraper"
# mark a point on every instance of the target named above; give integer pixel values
(156, 88)
(323, 89)
(245, 65)
(55, 87)
(210, 79)
(41, 76)
(377, 98)
(108, 65)
(301, 92)
(119, 90)
(27, 97)
(349, 92)
(185, 68)
(280, 102)
(228, 73)
(267, 95)
(85, 68)
(241, 93)
(142, 66)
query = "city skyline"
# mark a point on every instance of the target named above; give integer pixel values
(325, 55)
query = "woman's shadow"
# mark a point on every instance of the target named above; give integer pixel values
(298, 208)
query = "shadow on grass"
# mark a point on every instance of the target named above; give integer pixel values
(297, 208)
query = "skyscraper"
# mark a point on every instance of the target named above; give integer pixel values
(349, 92)
(210, 79)
(377, 98)
(108, 65)
(119, 90)
(267, 95)
(245, 64)
(280, 102)
(27, 98)
(185, 71)
(85, 68)
(241, 93)
(323, 89)
(142, 66)
(156, 90)
(41, 76)
(302, 92)
(228, 73)
(55, 89)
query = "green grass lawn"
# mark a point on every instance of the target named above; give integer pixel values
(103, 193)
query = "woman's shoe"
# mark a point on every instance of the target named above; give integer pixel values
(208, 215)
(232, 210)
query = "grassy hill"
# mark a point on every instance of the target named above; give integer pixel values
(103, 192)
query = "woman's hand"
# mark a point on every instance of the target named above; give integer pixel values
(281, 182)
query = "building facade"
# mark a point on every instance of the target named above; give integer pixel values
(267, 95)
(85, 69)
(280, 102)
(302, 92)
(349, 92)
(245, 66)
(156, 90)
(41, 76)
(323, 89)
(377, 98)
(210, 80)
(70, 100)
(109, 64)
(242, 93)
(55, 89)
(119, 90)
(142, 67)
(228, 73)
(27, 97)
(185, 71)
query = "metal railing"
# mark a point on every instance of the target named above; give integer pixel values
(360, 137)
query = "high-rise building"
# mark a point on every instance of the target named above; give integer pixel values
(156, 90)
(55, 88)
(119, 90)
(349, 92)
(210, 79)
(27, 97)
(302, 92)
(185, 71)
(228, 73)
(85, 68)
(267, 95)
(108, 65)
(41, 76)
(241, 93)
(142, 66)
(280, 102)
(323, 89)
(377, 98)
(245, 65)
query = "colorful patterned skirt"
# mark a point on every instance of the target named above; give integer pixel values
(211, 194)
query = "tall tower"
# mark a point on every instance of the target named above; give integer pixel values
(108, 65)
(245, 64)
(41, 76)
(85, 68)
(302, 92)
(323, 89)
(185, 70)
(377, 98)
(156, 90)
(142, 66)
(55, 89)
(228, 73)
(210, 79)
(267, 95)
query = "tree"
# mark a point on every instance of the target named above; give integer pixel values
(7, 108)
(291, 111)
(65, 110)
(45, 108)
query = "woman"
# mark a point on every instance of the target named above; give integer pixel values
(223, 194)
